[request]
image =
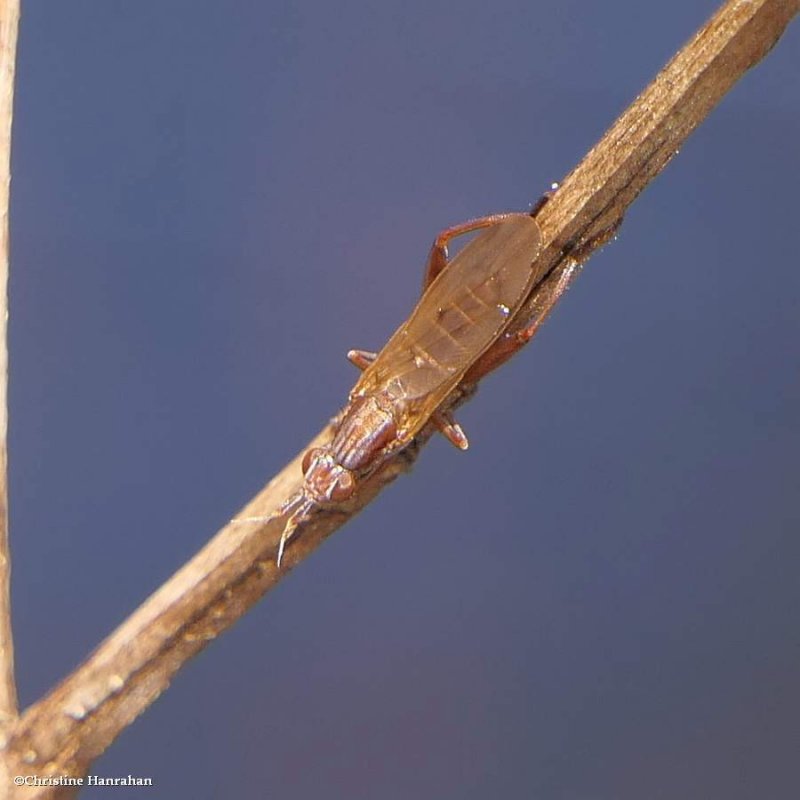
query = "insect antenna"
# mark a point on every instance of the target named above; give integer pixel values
(300, 506)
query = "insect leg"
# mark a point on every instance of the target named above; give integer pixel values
(582, 252)
(437, 258)
(361, 358)
(546, 297)
(450, 429)
(541, 304)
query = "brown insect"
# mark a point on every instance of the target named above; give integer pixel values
(456, 332)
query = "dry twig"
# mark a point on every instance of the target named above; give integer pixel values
(62, 733)
(9, 19)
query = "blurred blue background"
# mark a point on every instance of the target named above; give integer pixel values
(212, 203)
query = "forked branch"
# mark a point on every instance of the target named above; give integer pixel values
(63, 733)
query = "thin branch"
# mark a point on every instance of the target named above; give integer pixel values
(65, 731)
(9, 21)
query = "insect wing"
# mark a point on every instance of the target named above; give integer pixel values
(457, 318)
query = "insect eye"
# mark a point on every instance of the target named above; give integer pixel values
(308, 458)
(343, 488)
